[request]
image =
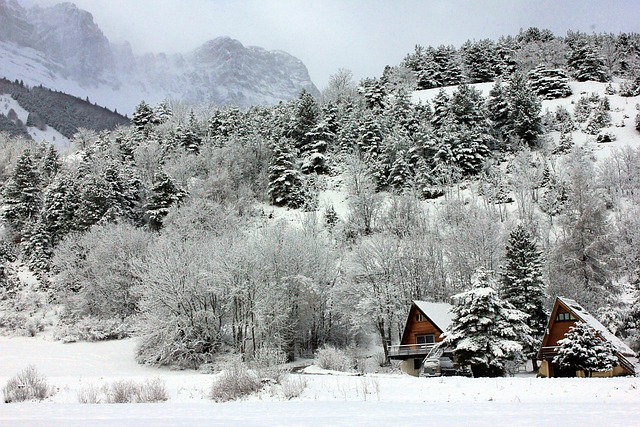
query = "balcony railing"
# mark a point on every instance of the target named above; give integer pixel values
(409, 350)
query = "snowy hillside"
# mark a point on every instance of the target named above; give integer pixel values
(623, 112)
(62, 48)
(51, 135)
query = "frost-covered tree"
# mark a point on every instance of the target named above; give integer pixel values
(22, 193)
(582, 259)
(549, 83)
(525, 110)
(522, 284)
(480, 61)
(585, 61)
(165, 193)
(143, 118)
(285, 180)
(486, 332)
(582, 349)
(307, 114)
(94, 272)
(498, 110)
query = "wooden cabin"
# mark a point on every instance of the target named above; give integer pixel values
(566, 312)
(424, 327)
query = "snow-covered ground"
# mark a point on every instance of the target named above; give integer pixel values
(330, 398)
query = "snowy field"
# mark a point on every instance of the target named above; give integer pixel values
(330, 398)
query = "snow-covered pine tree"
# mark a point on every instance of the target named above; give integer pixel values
(585, 61)
(143, 119)
(486, 332)
(449, 69)
(583, 350)
(498, 110)
(50, 164)
(374, 94)
(165, 194)
(440, 108)
(549, 83)
(522, 285)
(192, 135)
(525, 110)
(59, 205)
(285, 180)
(480, 61)
(599, 118)
(307, 114)
(400, 173)
(22, 193)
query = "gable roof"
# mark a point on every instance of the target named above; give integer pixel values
(438, 312)
(581, 314)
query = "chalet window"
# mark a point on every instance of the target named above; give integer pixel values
(420, 317)
(425, 339)
(563, 317)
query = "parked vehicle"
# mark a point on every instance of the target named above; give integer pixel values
(441, 362)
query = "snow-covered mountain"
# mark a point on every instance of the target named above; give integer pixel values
(61, 47)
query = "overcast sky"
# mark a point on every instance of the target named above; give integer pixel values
(360, 35)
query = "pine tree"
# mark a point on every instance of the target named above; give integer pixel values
(307, 114)
(285, 181)
(191, 137)
(584, 61)
(549, 83)
(374, 94)
(525, 110)
(522, 284)
(600, 118)
(59, 206)
(440, 108)
(22, 193)
(449, 69)
(486, 332)
(582, 349)
(480, 60)
(498, 110)
(165, 194)
(50, 164)
(143, 119)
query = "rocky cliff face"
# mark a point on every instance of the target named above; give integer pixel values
(61, 47)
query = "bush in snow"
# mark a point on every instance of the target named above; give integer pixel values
(293, 386)
(269, 364)
(28, 384)
(486, 332)
(235, 381)
(335, 359)
(125, 391)
(583, 350)
(89, 328)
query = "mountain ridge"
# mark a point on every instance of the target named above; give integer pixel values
(61, 47)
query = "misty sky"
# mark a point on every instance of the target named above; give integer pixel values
(360, 35)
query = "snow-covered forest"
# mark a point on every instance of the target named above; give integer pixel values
(510, 165)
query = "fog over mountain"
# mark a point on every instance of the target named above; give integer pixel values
(61, 47)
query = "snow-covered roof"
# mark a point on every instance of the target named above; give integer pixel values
(579, 312)
(439, 313)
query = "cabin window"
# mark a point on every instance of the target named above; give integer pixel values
(425, 339)
(421, 317)
(563, 317)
